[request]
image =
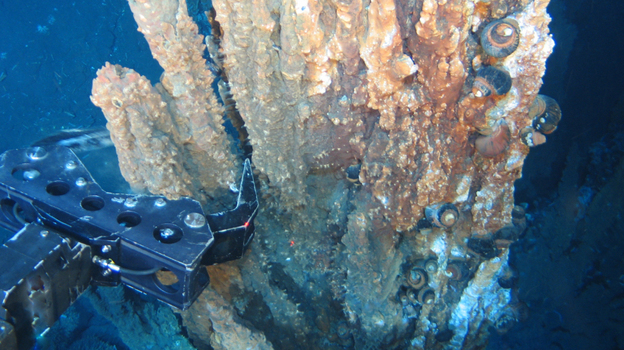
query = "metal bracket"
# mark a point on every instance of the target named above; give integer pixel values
(154, 245)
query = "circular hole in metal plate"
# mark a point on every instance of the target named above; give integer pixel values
(25, 172)
(57, 188)
(92, 203)
(128, 219)
(168, 233)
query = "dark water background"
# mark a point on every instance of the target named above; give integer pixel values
(50, 52)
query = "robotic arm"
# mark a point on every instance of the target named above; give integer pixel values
(70, 233)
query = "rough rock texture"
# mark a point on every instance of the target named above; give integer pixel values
(327, 84)
(169, 138)
(324, 85)
(227, 330)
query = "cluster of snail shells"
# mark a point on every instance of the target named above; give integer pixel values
(499, 39)
(418, 276)
(546, 115)
(420, 273)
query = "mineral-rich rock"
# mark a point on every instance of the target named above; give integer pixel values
(228, 330)
(322, 85)
(169, 138)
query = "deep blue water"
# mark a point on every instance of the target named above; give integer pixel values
(49, 55)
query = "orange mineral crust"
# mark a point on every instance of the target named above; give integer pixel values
(386, 135)
(169, 137)
(386, 84)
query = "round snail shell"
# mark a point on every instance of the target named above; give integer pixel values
(495, 143)
(443, 215)
(403, 299)
(412, 295)
(518, 216)
(353, 173)
(532, 138)
(501, 37)
(546, 114)
(343, 330)
(426, 296)
(431, 266)
(416, 277)
(508, 279)
(505, 322)
(491, 80)
(457, 271)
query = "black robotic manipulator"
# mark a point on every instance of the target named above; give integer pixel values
(69, 233)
